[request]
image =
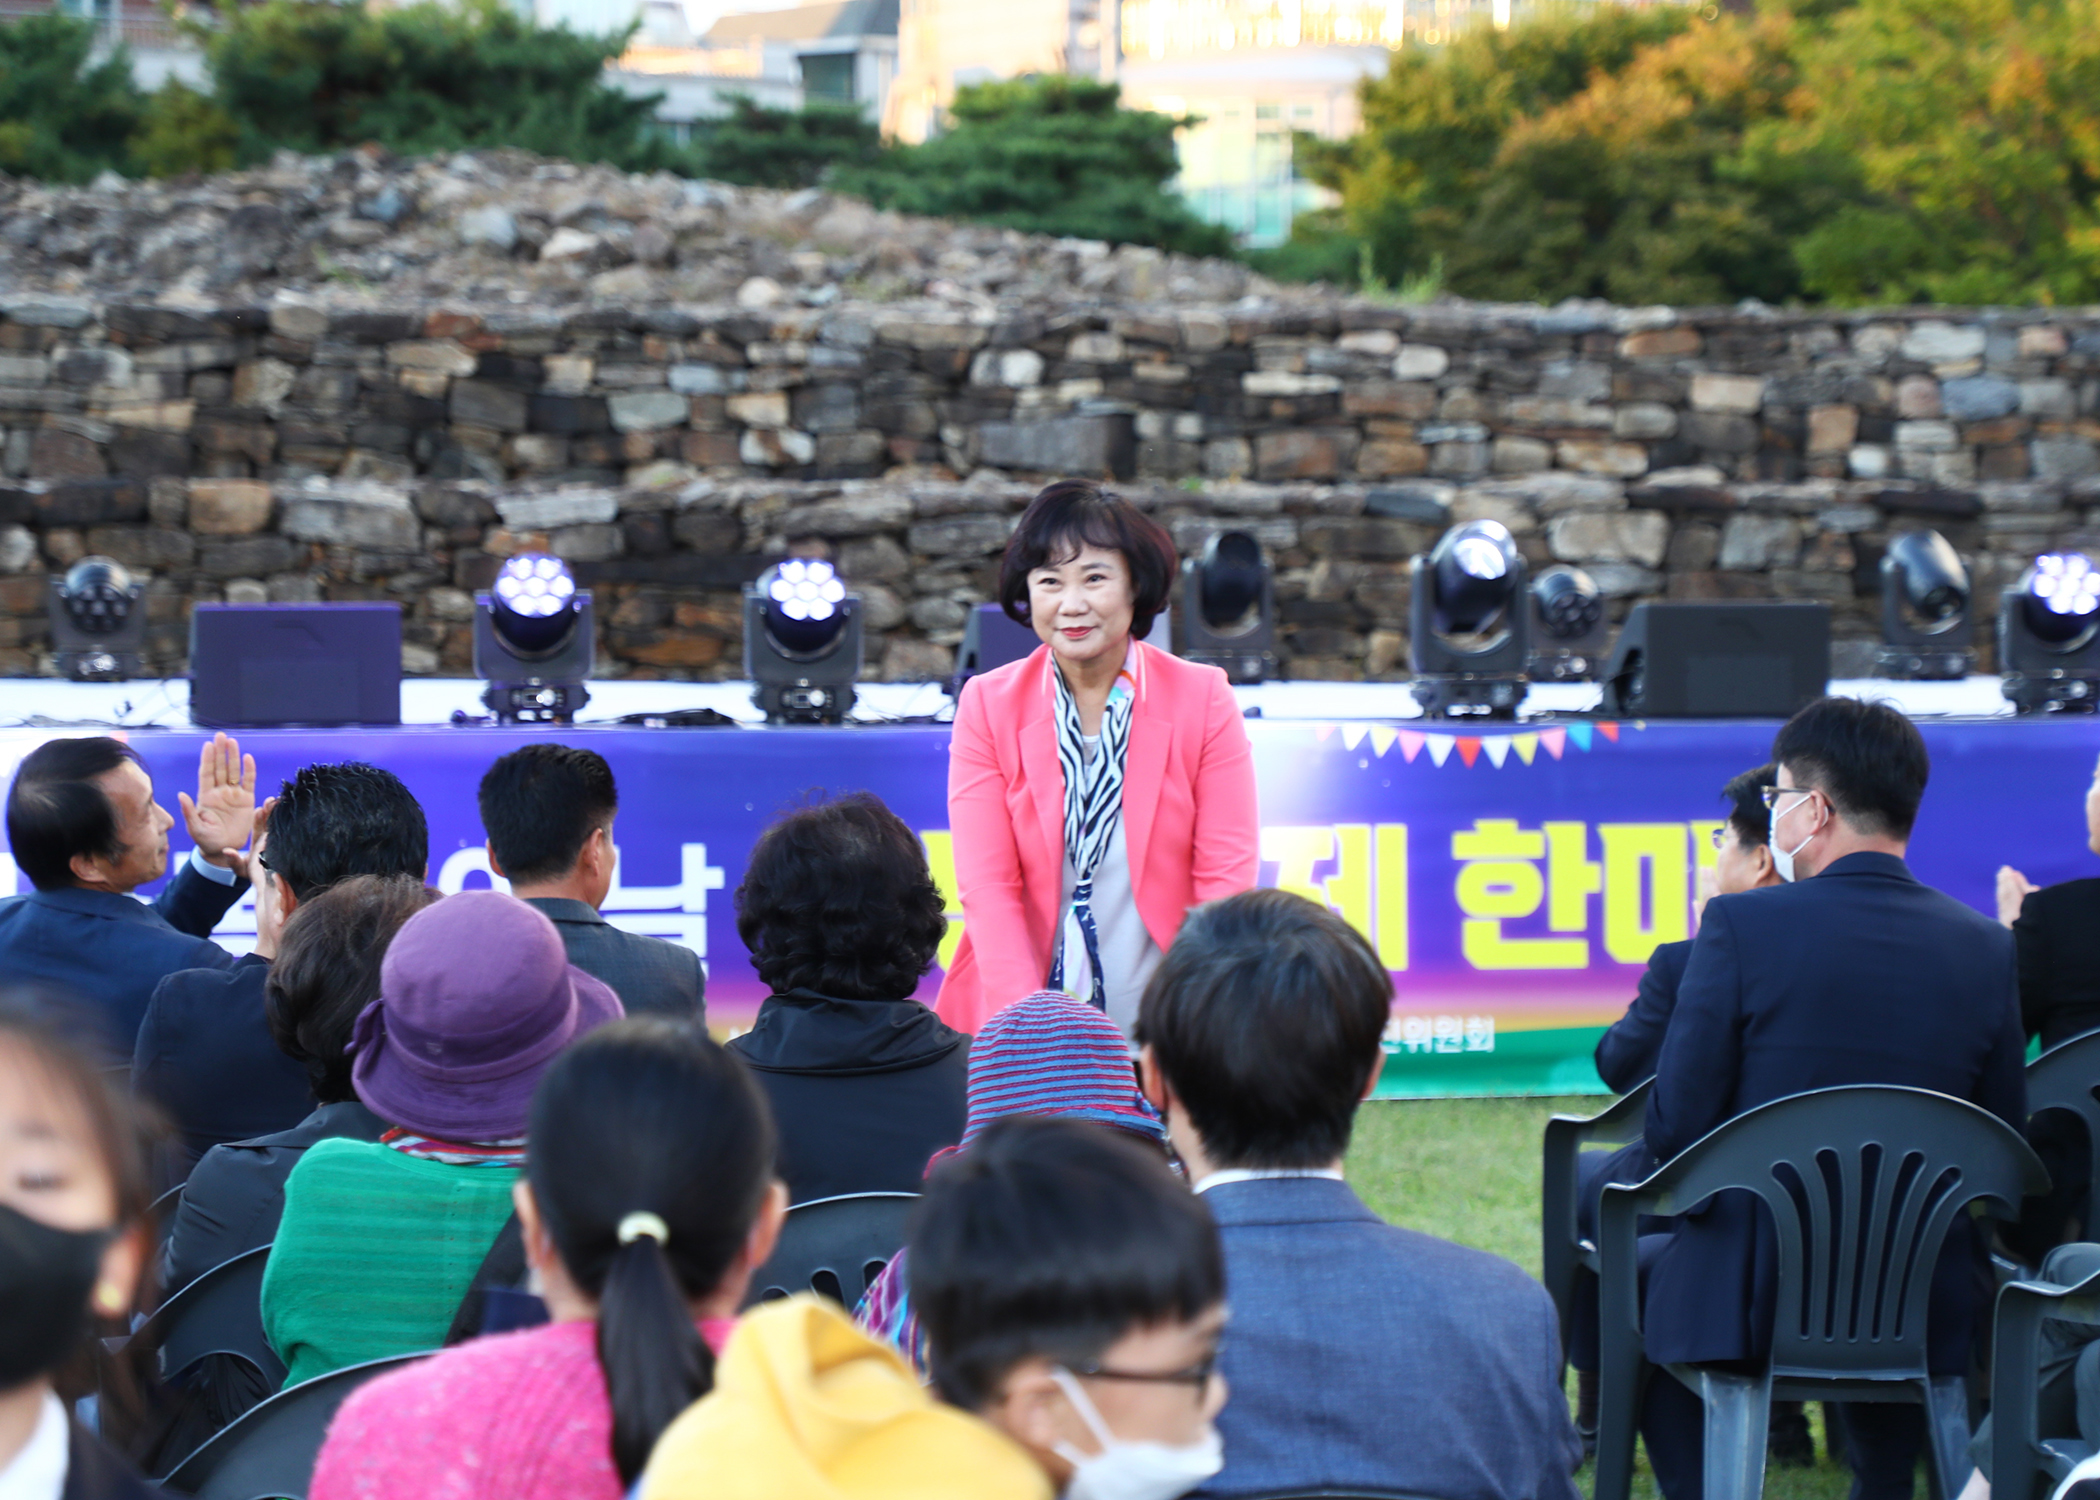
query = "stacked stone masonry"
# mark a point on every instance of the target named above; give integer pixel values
(297, 449)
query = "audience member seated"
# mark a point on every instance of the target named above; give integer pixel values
(205, 1054)
(1261, 1035)
(74, 1224)
(548, 810)
(1045, 1055)
(648, 1201)
(1072, 1294)
(1859, 975)
(380, 1239)
(326, 971)
(83, 826)
(842, 918)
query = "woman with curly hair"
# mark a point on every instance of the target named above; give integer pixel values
(842, 918)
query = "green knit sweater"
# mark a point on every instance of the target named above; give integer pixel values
(374, 1252)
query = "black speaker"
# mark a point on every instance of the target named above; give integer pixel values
(1719, 661)
(259, 665)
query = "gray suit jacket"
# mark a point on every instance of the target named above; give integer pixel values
(649, 975)
(1361, 1355)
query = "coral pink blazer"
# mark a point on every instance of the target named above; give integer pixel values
(1189, 818)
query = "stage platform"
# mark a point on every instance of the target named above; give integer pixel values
(1514, 877)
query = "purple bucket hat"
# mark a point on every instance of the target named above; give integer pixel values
(476, 998)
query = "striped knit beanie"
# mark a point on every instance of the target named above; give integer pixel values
(1050, 1055)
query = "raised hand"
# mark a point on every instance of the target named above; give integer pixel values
(222, 816)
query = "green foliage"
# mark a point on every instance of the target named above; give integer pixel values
(1054, 155)
(184, 131)
(761, 146)
(61, 118)
(1321, 248)
(314, 76)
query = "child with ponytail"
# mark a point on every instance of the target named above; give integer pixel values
(647, 1202)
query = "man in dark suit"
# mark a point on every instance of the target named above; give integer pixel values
(1859, 975)
(204, 1051)
(83, 826)
(1359, 1355)
(549, 810)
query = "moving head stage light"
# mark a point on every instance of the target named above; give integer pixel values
(1228, 601)
(1470, 636)
(98, 621)
(1926, 630)
(802, 642)
(2049, 636)
(1569, 638)
(533, 640)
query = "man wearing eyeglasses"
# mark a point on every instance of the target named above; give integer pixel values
(1851, 972)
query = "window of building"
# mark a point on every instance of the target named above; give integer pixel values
(828, 76)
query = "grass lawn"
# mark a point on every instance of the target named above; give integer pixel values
(1468, 1170)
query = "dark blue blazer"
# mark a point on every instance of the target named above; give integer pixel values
(1859, 975)
(1626, 1052)
(112, 950)
(1361, 1355)
(206, 1056)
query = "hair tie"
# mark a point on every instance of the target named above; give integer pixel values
(644, 1225)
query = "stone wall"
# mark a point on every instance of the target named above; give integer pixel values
(299, 449)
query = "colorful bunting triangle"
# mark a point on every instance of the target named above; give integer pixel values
(1555, 741)
(1580, 734)
(1382, 740)
(1610, 731)
(1411, 741)
(1526, 746)
(1354, 735)
(1497, 749)
(1469, 749)
(1440, 747)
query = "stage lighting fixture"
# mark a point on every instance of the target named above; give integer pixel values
(802, 642)
(1228, 598)
(1569, 638)
(1470, 624)
(1926, 631)
(533, 640)
(98, 621)
(2049, 636)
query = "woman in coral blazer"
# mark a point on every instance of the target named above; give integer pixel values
(1098, 789)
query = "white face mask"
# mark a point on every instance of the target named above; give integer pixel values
(1132, 1471)
(1783, 859)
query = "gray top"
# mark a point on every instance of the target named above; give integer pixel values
(1128, 954)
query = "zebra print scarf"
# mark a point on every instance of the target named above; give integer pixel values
(1093, 803)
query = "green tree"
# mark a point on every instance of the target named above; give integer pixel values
(184, 131)
(760, 146)
(1055, 155)
(62, 118)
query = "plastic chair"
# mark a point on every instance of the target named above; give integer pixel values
(218, 1313)
(1864, 1182)
(834, 1246)
(2067, 1077)
(1563, 1253)
(2020, 1456)
(269, 1453)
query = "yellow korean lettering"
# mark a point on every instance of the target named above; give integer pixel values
(1572, 877)
(1500, 880)
(1646, 875)
(940, 859)
(1391, 842)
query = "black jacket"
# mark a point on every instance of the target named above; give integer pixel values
(651, 976)
(205, 1055)
(235, 1196)
(95, 1472)
(863, 1091)
(1626, 1052)
(2058, 935)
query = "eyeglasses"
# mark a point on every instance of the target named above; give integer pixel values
(1720, 837)
(264, 860)
(1198, 1375)
(1772, 794)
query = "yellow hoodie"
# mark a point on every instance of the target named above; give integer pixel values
(807, 1407)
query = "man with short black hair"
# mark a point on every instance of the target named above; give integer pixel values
(1261, 1033)
(83, 826)
(204, 1051)
(549, 810)
(1858, 975)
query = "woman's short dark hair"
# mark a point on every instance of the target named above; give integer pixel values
(327, 970)
(649, 1116)
(1869, 760)
(1076, 513)
(838, 899)
(1747, 813)
(1266, 1017)
(55, 811)
(1052, 1238)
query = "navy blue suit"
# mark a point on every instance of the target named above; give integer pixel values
(1626, 1052)
(1361, 1355)
(206, 1056)
(112, 950)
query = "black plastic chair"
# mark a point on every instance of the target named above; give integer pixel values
(1863, 1182)
(218, 1313)
(2024, 1464)
(2067, 1077)
(1563, 1253)
(269, 1453)
(834, 1246)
